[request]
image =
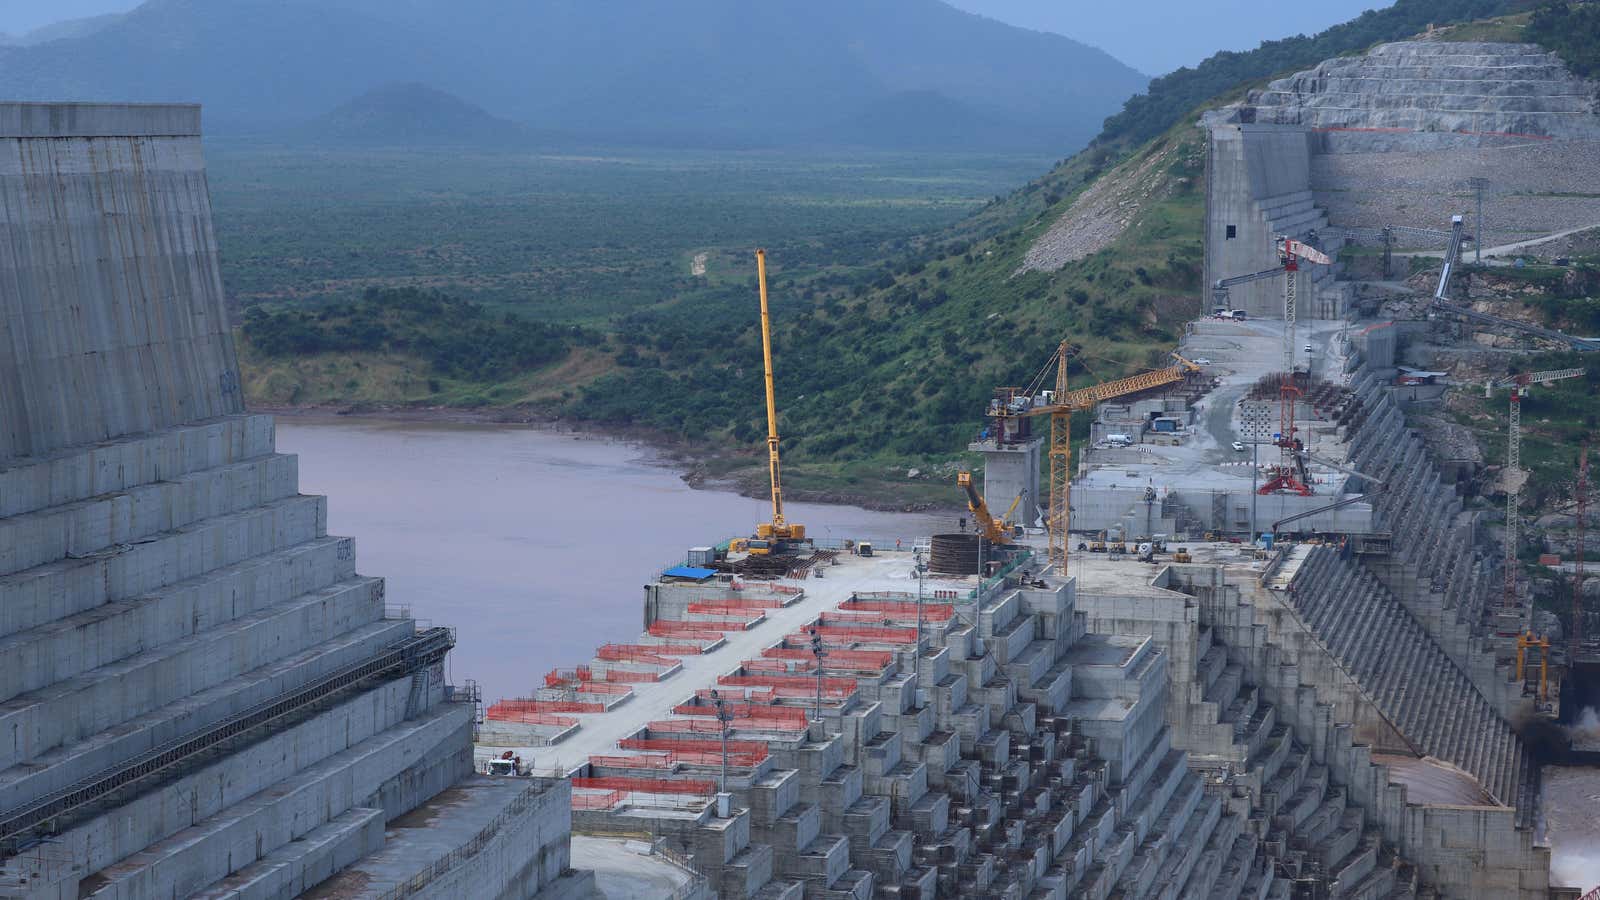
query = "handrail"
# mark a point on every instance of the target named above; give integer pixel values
(396, 661)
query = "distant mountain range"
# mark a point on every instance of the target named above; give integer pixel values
(874, 72)
(412, 114)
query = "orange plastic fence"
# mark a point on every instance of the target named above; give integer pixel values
(646, 785)
(857, 634)
(638, 651)
(739, 602)
(756, 712)
(757, 749)
(829, 682)
(557, 677)
(503, 709)
(866, 659)
(937, 612)
(608, 800)
(627, 677)
(667, 628)
(636, 761)
(537, 719)
(712, 607)
(602, 687)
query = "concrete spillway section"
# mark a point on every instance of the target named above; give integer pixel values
(200, 695)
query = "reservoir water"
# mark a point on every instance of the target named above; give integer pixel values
(535, 546)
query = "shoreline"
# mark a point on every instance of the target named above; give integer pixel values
(688, 461)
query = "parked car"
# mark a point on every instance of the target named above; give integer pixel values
(1239, 446)
(1201, 361)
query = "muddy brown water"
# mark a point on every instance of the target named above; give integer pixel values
(534, 545)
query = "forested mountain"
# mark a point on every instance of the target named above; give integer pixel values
(638, 69)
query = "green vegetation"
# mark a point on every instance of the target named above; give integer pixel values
(572, 237)
(898, 364)
(1174, 95)
(457, 338)
(1572, 30)
(1557, 418)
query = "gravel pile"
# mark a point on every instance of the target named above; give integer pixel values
(1534, 188)
(1100, 215)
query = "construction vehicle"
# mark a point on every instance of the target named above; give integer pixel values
(993, 530)
(864, 548)
(779, 534)
(1012, 407)
(1182, 556)
(1515, 476)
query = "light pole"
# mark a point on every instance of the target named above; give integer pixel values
(1478, 184)
(723, 718)
(818, 652)
(922, 568)
(1255, 475)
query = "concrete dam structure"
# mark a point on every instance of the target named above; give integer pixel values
(199, 693)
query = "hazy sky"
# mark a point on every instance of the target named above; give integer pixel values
(1157, 36)
(1153, 36)
(21, 16)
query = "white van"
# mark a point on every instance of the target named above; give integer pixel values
(1119, 440)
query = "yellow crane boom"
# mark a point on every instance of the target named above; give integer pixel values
(1060, 406)
(994, 530)
(778, 529)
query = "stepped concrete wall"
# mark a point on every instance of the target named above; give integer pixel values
(114, 321)
(1432, 95)
(164, 586)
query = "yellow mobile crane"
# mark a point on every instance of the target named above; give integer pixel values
(779, 533)
(994, 530)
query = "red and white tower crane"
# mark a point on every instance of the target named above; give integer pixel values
(1515, 477)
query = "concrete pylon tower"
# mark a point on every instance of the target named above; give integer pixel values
(201, 694)
(1011, 468)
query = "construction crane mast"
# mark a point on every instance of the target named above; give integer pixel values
(1291, 252)
(1059, 405)
(1514, 475)
(778, 530)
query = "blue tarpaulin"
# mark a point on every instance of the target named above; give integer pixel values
(690, 572)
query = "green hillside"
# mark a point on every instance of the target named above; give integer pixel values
(886, 368)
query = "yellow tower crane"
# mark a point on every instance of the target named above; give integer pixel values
(1059, 405)
(779, 532)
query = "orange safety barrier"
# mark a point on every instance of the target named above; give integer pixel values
(756, 712)
(627, 677)
(937, 612)
(743, 602)
(673, 758)
(712, 727)
(829, 682)
(504, 708)
(756, 751)
(711, 607)
(558, 677)
(668, 628)
(858, 635)
(602, 687)
(647, 785)
(867, 659)
(636, 651)
(608, 800)
(537, 719)
(641, 761)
